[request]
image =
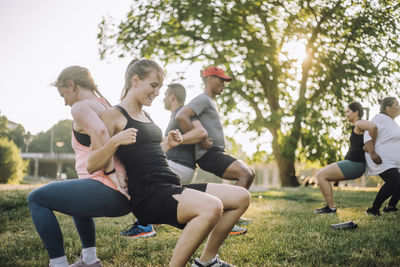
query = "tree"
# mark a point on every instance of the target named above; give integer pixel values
(59, 133)
(352, 49)
(17, 134)
(12, 166)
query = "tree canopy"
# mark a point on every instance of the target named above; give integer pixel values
(59, 134)
(16, 134)
(352, 49)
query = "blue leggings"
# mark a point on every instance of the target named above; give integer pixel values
(81, 198)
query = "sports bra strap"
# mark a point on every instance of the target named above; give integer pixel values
(123, 111)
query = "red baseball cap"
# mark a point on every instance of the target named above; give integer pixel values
(215, 71)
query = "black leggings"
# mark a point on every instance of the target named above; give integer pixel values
(391, 187)
(83, 199)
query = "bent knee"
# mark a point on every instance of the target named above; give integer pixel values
(213, 210)
(216, 207)
(247, 176)
(246, 197)
(251, 175)
(320, 176)
(33, 197)
(243, 197)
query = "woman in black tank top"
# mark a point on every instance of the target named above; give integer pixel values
(353, 165)
(201, 210)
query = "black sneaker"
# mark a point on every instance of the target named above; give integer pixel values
(371, 211)
(324, 210)
(391, 209)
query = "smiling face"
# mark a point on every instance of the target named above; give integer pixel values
(148, 89)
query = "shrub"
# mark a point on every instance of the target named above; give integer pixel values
(12, 167)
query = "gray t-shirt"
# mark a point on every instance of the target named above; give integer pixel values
(182, 154)
(206, 110)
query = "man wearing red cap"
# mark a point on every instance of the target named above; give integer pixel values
(214, 160)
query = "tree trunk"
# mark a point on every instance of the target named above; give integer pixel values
(287, 172)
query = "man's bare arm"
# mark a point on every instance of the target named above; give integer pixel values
(196, 134)
(183, 118)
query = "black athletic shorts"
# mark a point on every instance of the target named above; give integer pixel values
(216, 161)
(160, 207)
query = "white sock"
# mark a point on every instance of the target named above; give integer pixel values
(207, 262)
(89, 255)
(59, 262)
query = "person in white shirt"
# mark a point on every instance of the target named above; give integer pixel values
(387, 146)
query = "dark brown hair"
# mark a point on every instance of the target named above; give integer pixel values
(355, 106)
(178, 90)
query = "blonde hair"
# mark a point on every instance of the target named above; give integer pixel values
(142, 68)
(80, 76)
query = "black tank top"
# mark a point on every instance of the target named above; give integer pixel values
(356, 153)
(144, 160)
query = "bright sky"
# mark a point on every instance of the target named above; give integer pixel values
(40, 38)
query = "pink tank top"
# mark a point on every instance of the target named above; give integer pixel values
(82, 154)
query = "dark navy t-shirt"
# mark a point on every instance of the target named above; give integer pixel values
(182, 154)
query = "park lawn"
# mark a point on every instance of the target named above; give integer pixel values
(284, 232)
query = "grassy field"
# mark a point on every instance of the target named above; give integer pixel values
(285, 232)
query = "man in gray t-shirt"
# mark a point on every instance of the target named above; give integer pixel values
(213, 160)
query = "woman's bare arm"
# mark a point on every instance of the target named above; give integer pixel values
(87, 118)
(105, 148)
(364, 125)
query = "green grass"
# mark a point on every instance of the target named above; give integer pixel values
(284, 232)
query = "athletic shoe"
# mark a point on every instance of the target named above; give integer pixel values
(137, 231)
(391, 209)
(215, 263)
(79, 263)
(325, 210)
(236, 230)
(243, 221)
(373, 212)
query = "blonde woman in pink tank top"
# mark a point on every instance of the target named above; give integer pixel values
(95, 194)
